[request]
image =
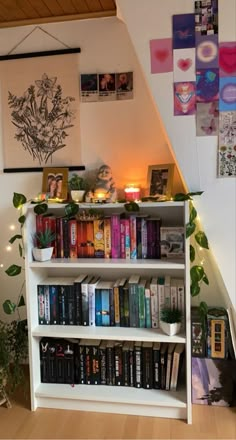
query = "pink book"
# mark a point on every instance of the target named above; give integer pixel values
(115, 236)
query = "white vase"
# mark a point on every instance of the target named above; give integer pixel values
(170, 329)
(42, 254)
(77, 195)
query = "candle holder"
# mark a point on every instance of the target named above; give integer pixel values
(132, 194)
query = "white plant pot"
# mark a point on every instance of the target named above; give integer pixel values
(170, 329)
(42, 254)
(77, 195)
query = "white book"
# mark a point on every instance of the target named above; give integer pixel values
(85, 299)
(161, 295)
(154, 302)
(175, 366)
(173, 294)
(171, 348)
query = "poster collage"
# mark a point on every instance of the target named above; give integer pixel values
(106, 86)
(204, 77)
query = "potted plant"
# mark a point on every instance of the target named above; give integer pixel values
(77, 186)
(43, 245)
(170, 321)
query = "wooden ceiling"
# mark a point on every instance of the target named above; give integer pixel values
(25, 12)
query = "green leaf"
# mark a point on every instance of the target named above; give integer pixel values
(190, 228)
(71, 209)
(13, 270)
(9, 307)
(203, 308)
(41, 208)
(179, 197)
(201, 239)
(197, 193)
(21, 302)
(194, 289)
(15, 237)
(18, 200)
(205, 279)
(131, 207)
(193, 214)
(192, 253)
(196, 273)
(20, 250)
(22, 219)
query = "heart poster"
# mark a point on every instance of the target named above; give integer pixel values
(161, 55)
(184, 65)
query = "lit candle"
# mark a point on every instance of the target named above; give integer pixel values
(132, 193)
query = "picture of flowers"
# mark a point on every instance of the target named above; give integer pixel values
(41, 119)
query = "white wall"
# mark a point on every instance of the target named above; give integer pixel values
(126, 134)
(152, 19)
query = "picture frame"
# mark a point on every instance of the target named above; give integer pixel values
(160, 180)
(55, 183)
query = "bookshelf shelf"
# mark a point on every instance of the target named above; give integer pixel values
(113, 399)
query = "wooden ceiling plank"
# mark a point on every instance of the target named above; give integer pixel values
(44, 20)
(67, 6)
(54, 7)
(108, 5)
(80, 6)
(94, 5)
(12, 13)
(27, 8)
(41, 8)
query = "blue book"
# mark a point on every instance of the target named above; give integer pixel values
(133, 300)
(103, 291)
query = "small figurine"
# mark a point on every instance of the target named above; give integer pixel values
(105, 185)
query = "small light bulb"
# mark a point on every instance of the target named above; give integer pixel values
(1, 265)
(200, 248)
(8, 248)
(12, 227)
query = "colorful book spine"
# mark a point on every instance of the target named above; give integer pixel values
(82, 239)
(122, 238)
(116, 302)
(141, 303)
(107, 237)
(133, 301)
(144, 237)
(54, 314)
(41, 312)
(127, 239)
(154, 302)
(99, 246)
(73, 238)
(133, 237)
(90, 238)
(115, 236)
(148, 316)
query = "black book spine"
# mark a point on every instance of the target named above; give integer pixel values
(77, 363)
(54, 303)
(139, 236)
(95, 376)
(66, 238)
(52, 360)
(118, 364)
(82, 378)
(44, 360)
(156, 369)
(112, 307)
(88, 365)
(71, 305)
(138, 366)
(63, 304)
(69, 362)
(147, 367)
(131, 366)
(60, 362)
(78, 303)
(126, 367)
(103, 364)
(110, 379)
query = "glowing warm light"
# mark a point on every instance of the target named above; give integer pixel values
(12, 227)
(8, 248)
(1, 265)
(200, 248)
(132, 193)
(202, 262)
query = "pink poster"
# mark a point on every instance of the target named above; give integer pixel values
(227, 59)
(161, 55)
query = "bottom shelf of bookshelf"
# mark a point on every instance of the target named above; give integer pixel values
(120, 400)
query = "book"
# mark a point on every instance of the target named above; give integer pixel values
(107, 237)
(122, 237)
(115, 236)
(90, 238)
(138, 379)
(157, 365)
(131, 363)
(181, 300)
(232, 332)
(163, 364)
(92, 361)
(73, 246)
(82, 361)
(118, 363)
(161, 296)
(217, 334)
(41, 309)
(85, 299)
(141, 302)
(133, 301)
(170, 351)
(57, 349)
(172, 241)
(44, 360)
(82, 239)
(102, 362)
(198, 337)
(178, 352)
(147, 364)
(46, 304)
(148, 318)
(133, 237)
(167, 291)
(69, 362)
(102, 302)
(126, 364)
(91, 293)
(154, 302)
(124, 302)
(66, 239)
(99, 246)
(153, 238)
(144, 240)
(78, 298)
(116, 302)
(110, 362)
(54, 303)
(173, 294)
(65, 287)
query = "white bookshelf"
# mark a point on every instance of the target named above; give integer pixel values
(111, 399)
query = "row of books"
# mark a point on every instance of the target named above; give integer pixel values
(103, 362)
(115, 236)
(125, 302)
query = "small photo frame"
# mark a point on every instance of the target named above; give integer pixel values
(55, 183)
(160, 180)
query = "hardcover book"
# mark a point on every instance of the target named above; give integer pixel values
(178, 353)
(115, 236)
(82, 239)
(99, 246)
(107, 237)
(147, 364)
(133, 300)
(157, 365)
(154, 302)
(78, 298)
(73, 247)
(170, 355)
(138, 376)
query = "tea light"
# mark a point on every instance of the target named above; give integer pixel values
(132, 193)
(100, 197)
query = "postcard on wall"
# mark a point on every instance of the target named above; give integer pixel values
(206, 17)
(89, 87)
(161, 55)
(41, 117)
(207, 51)
(207, 88)
(227, 142)
(227, 94)
(124, 85)
(207, 118)
(183, 31)
(184, 65)
(107, 86)
(227, 59)
(184, 98)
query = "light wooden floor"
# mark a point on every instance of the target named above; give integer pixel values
(20, 423)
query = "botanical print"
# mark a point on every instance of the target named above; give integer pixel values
(184, 98)
(161, 55)
(227, 145)
(184, 65)
(227, 59)
(206, 51)
(42, 118)
(207, 118)
(40, 121)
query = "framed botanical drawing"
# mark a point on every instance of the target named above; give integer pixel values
(55, 183)
(160, 180)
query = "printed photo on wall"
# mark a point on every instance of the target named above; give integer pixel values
(207, 51)
(89, 87)
(184, 98)
(107, 86)
(207, 88)
(207, 118)
(161, 55)
(227, 59)
(124, 85)
(41, 117)
(183, 31)
(206, 17)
